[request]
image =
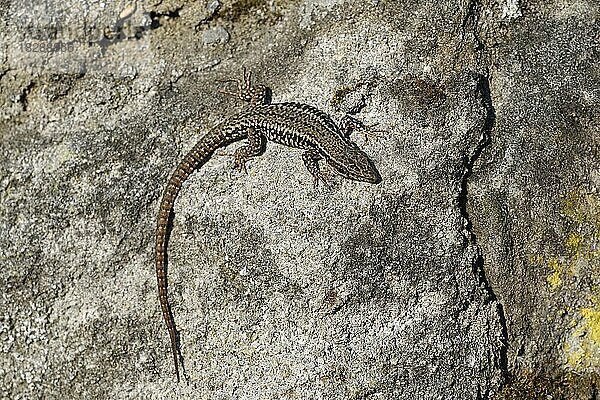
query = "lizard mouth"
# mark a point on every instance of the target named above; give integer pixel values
(363, 173)
(372, 177)
(368, 173)
(375, 178)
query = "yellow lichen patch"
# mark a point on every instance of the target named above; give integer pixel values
(583, 209)
(577, 271)
(572, 206)
(592, 316)
(582, 242)
(557, 384)
(582, 347)
(554, 279)
(574, 243)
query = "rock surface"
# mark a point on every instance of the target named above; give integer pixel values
(470, 272)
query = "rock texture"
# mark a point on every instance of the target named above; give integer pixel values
(470, 272)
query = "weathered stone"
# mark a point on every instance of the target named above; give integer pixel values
(470, 272)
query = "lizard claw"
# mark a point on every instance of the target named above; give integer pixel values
(243, 85)
(230, 92)
(371, 132)
(258, 94)
(350, 124)
(319, 177)
(240, 164)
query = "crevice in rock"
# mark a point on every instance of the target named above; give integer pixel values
(4, 72)
(483, 87)
(470, 26)
(23, 97)
(470, 21)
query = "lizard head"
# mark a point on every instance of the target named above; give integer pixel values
(353, 163)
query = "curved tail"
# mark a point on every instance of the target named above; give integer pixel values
(193, 160)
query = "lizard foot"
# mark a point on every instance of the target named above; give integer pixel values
(350, 124)
(258, 94)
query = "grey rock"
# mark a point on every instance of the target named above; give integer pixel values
(212, 6)
(470, 272)
(218, 35)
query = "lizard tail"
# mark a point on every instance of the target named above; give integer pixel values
(193, 160)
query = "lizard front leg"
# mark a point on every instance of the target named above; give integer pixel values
(350, 124)
(311, 160)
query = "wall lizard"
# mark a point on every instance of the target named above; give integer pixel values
(292, 124)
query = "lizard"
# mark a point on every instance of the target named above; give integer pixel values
(292, 124)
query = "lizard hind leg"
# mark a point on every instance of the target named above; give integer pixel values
(255, 147)
(255, 95)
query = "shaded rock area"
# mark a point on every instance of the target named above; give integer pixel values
(469, 272)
